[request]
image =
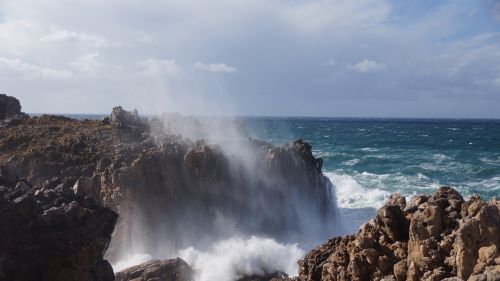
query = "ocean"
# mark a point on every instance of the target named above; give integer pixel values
(367, 159)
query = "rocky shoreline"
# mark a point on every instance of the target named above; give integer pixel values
(74, 193)
(436, 237)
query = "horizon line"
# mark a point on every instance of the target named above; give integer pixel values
(33, 114)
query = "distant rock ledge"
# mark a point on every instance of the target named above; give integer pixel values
(10, 108)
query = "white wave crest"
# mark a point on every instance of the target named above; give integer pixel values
(350, 194)
(234, 258)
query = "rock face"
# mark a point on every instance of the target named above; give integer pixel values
(438, 237)
(170, 188)
(157, 270)
(10, 108)
(49, 233)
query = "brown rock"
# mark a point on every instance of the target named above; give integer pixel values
(392, 222)
(157, 270)
(448, 239)
(400, 269)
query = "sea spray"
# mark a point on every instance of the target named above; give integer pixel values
(234, 258)
(205, 184)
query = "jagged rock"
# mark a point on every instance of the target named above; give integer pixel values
(140, 170)
(392, 222)
(447, 239)
(10, 108)
(128, 123)
(157, 270)
(51, 234)
(86, 186)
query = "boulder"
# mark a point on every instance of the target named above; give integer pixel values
(51, 234)
(157, 270)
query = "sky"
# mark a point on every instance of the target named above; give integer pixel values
(342, 58)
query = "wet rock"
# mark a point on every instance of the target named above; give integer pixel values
(157, 270)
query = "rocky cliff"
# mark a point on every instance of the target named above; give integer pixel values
(173, 191)
(437, 237)
(48, 233)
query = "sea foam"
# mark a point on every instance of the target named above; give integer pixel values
(237, 257)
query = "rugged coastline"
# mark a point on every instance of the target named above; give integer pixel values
(67, 184)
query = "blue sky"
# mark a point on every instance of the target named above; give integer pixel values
(370, 58)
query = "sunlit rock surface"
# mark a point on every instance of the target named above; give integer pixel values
(429, 238)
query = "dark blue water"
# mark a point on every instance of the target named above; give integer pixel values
(367, 159)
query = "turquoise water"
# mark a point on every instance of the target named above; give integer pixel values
(367, 159)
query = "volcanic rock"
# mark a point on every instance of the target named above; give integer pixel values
(441, 237)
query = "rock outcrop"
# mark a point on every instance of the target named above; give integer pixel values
(10, 108)
(437, 237)
(157, 270)
(49, 233)
(171, 188)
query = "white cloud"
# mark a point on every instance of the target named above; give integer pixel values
(160, 67)
(75, 37)
(90, 63)
(214, 67)
(146, 38)
(368, 66)
(16, 67)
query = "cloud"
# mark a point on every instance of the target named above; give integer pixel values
(16, 67)
(214, 67)
(90, 64)
(284, 46)
(368, 66)
(147, 39)
(160, 67)
(75, 37)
